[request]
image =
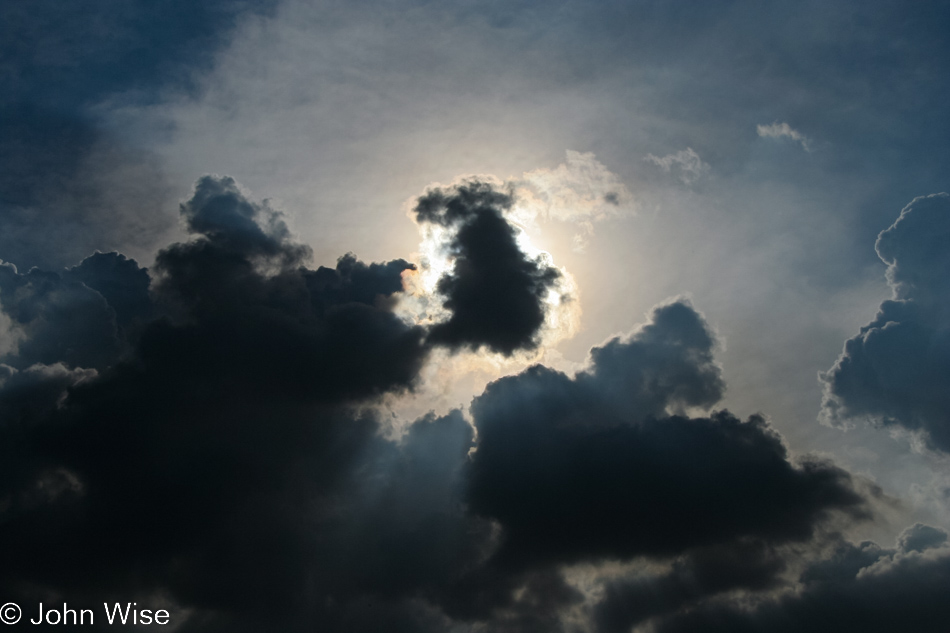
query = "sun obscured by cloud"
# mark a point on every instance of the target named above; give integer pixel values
(280, 417)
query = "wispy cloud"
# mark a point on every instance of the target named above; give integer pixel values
(581, 190)
(784, 130)
(687, 163)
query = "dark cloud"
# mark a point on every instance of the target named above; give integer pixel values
(666, 365)
(895, 371)
(79, 317)
(592, 468)
(920, 537)
(203, 434)
(121, 282)
(859, 588)
(239, 294)
(206, 462)
(495, 292)
(749, 565)
(224, 462)
(55, 319)
(28, 398)
(220, 212)
(568, 492)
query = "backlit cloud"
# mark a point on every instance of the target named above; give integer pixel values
(894, 372)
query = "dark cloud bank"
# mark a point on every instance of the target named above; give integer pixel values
(201, 437)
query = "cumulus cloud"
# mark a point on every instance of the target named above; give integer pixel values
(56, 318)
(782, 130)
(594, 467)
(241, 293)
(895, 371)
(686, 163)
(121, 282)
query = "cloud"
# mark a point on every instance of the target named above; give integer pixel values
(630, 600)
(10, 335)
(223, 214)
(120, 281)
(689, 166)
(581, 191)
(895, 371)
(233, 413)
(226, 475)
(593, 469)
(225, 454)
(495, 293)
(920, 537)
(241, 293)
(783, 130)
(568, 492)
(56, 319)
(862, 587)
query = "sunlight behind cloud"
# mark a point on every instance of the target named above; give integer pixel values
(435, 259)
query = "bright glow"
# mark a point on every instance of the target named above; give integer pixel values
(423, 303)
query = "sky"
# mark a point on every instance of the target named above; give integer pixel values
(580, 317)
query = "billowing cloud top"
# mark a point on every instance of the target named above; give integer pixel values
(895, 371)
(594, 467)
